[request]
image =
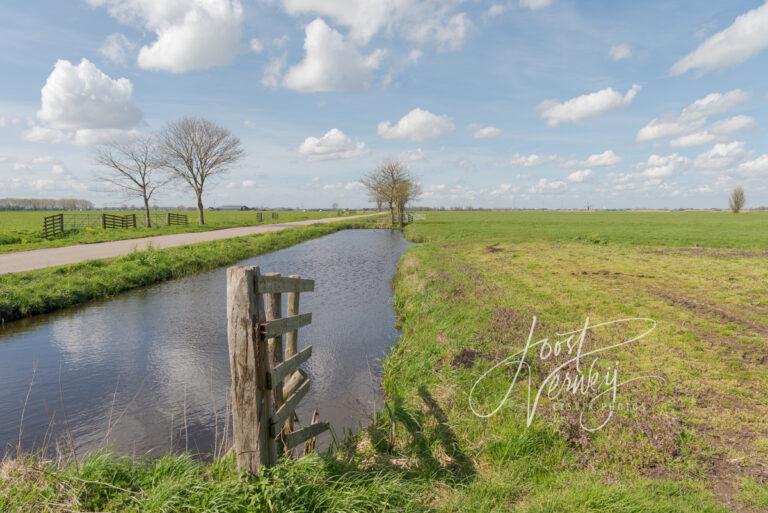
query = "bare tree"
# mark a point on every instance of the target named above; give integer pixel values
(737, 200)
(408, 190)
(392, 184)
(132, 168)
(197, 150)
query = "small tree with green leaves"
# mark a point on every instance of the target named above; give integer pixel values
(737, 200)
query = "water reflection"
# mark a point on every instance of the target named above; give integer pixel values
(149, 367)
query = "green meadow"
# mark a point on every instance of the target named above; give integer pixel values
(22, 231)
(687, 432)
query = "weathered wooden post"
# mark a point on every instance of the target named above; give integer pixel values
(292, 339)
(249, 365)
(266, 386)
(274, 311)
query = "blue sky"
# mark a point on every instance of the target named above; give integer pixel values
(525, 103)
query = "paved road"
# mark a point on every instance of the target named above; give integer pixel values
(50, 257)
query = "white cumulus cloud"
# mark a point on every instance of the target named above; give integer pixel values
(579, 176)
(535, 4)
(192, 34)
(331, 63)
(82, 104)
(585, 106)
(417, 125)
(116, 48)
(421, 21)
(620, 52)
(721, 156)
(758, 165)
(746, 37)
(487, 132)
(544, 185)
(531, 160)
(333, 145)
(607, 158)
(688, 126)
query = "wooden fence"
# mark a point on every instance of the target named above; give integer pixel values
(267, 383)
(274, 215)
(53, 225)
(259, 217)
(178, 219)
(112, 221)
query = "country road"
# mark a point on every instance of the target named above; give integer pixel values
(50, 257)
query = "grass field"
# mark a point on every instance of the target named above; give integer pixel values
(695, 441)
(22, 231)
(698, 441)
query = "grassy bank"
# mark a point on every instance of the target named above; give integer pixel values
(181, 484)
(22, 231)
(35, 292)
(695, 441)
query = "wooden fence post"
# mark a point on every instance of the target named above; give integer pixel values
(248, 361)
(292, 338)
(273, 309)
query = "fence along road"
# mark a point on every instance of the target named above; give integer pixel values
(51, 257)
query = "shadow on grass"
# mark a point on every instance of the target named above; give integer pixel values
(430, 440)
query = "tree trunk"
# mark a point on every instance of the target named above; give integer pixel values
(392, 213)
(200, 211)
(146, 210)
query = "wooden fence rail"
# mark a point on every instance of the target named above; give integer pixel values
(114, 221)
(178, 219)
(53, 225)
(267, 383)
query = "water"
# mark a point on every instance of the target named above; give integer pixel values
(147, 371)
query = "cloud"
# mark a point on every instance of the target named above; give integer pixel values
(333, 145)
(745, 38)
(83, 105)
(658, 166)
(417, 125)
(651, 173)
(255, 46)
(734, 124)
(620, 52)
(414, 155)
(721, 157)
(607, 158)
(273, 72)
(535, 4)
(414, 56)
(585, 106)
(758, 165)
(488, 132)
(691, 140)
(694, 117)
(330, 63)
(579, 176)
(531, 160)
(190, 35)
(544, 185)
(422, 21)
(116, 48)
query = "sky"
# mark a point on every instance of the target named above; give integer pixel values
(516, 104)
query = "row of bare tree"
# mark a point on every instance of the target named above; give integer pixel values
(392, 184)
(190, 151)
